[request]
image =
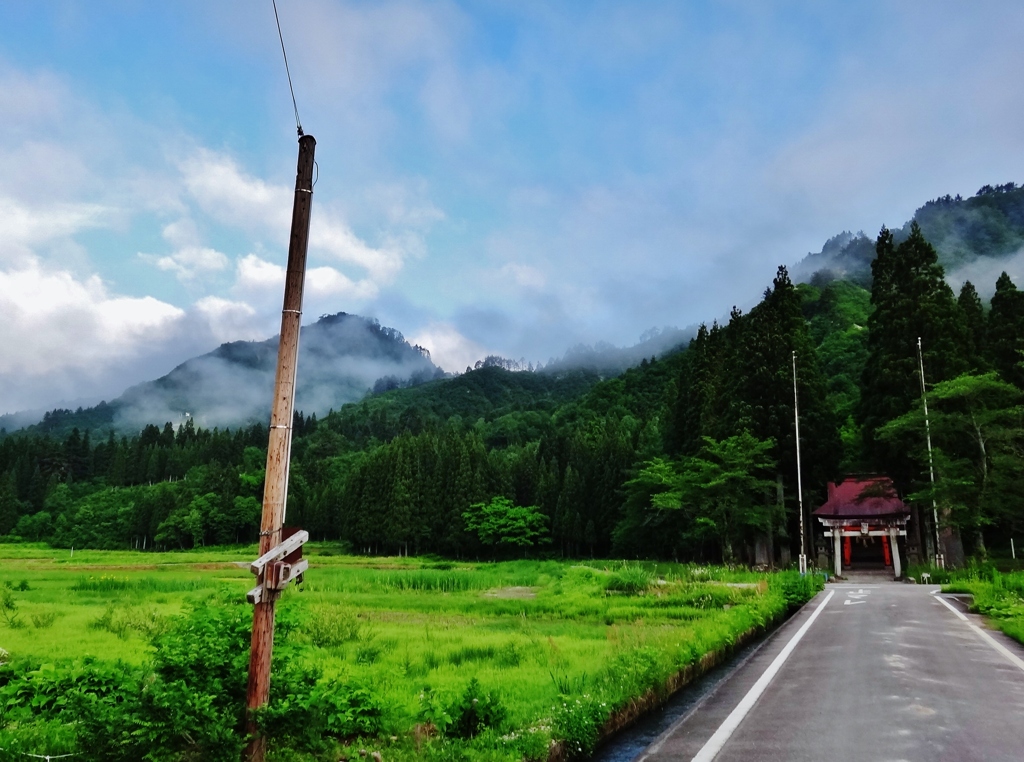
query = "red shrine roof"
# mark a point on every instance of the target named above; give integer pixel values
(862, 498)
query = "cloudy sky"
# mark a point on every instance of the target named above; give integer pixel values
(506, 177)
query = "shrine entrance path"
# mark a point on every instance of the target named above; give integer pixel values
(882, 671)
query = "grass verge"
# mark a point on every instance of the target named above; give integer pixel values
(997, 595)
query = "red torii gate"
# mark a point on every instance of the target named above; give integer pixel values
(864, 507)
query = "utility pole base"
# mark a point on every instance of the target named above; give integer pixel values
(803, 563)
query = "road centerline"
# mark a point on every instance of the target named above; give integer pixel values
(714, 744)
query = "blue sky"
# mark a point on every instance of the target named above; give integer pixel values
(495, 177)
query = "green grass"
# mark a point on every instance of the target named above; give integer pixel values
(997, 595)
(536, 633)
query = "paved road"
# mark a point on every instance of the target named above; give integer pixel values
(883, 671)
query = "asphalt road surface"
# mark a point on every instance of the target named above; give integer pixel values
(874, 671)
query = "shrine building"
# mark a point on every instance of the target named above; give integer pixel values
(865, 519)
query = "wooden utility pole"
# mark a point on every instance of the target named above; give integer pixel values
(275, 492)
(799, 475)
(939, 555)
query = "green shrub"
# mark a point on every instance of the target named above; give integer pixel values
(476, 710)
(577, 721)
(508, 655)
(796, 588)
(9, 610)
(434, 710)
(43, 619)
(632, 579)
(53, 736)
(368, 653)
(124, 620)
(306, 713)
(467, 716)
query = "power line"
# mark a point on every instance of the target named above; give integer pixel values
(298, 124)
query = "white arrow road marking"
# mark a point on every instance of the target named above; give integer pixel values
(714, 745)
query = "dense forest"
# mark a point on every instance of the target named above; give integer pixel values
(690, 455)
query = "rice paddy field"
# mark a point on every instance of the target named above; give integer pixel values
(457, 659)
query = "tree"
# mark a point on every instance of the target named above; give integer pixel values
(974, 317)
(723, 490)
(1006, 331)
(911, 300)
(501, 524)
(10, 506)
(976, 424)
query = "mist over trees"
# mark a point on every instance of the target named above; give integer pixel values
(689, 454)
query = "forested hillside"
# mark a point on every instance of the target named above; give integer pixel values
(986, 226)
(689, 455)
(342, 356)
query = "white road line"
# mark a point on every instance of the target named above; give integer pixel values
(1012, 657)
(714, 745)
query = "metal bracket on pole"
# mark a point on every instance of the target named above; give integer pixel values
(278, 567)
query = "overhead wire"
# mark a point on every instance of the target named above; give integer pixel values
(287, 71)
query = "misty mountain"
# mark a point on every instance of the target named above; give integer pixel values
(341, 358)
(608, 360)
(975, 238)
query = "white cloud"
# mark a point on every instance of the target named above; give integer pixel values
(326, 281)
(336, 239)
(181, 232)
(448, 348)
(524, 275)
(23, 225)
(255, 274)
(230, 320)
(231, 196)
(228, 195)
(73, 324)
(189, 262)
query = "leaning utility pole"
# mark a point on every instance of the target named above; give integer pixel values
(799, 477)
(939, 558)
(272, 568)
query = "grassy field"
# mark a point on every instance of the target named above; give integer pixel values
(554, 648)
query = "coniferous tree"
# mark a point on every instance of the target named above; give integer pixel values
(10, 506)
(911, 300)
(1006, 331)
(764, 385)
(974, 317)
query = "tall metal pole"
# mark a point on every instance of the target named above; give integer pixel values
(275, 491)
(939, 560)
(799, 476)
